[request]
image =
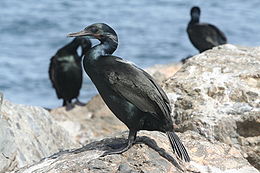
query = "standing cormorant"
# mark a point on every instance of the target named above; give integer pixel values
(203, 36)
(130, 93)
(65, 70)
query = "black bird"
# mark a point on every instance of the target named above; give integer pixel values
(65, 70)
(130, 93)
(203, 36)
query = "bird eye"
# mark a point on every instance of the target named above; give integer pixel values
(94, 30)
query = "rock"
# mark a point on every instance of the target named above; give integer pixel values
(215, 100)
(87, 123)
(28, 134)
(217, 94)
(152, 157)
(163, 72)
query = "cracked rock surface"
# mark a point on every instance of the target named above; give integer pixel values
(215, 98)
(27, 134)
(217, 94)
(156, 156)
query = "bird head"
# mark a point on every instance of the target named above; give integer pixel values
(100, 31)
(195, 12)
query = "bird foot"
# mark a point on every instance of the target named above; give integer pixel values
(79, 103)
(117, 145)
(120, 150)
(123, 147)
(69, 106)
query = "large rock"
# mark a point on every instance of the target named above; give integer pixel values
(91, 122)
(162, 72)
(217, 94)
(215, 98)
(27, 134)
(154, 157)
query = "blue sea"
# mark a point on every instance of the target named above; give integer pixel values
(150, 32)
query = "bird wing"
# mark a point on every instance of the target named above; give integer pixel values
(223, 38)
(52, 68)
(211, 34)
(136, 86)
(204, 36)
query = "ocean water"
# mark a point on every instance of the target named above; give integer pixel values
(150, 32)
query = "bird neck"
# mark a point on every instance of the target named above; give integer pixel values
(195, 18)
(85, 48)
(69, 48)
(106, 47)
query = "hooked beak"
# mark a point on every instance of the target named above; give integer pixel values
(85, 33)
(80, 33)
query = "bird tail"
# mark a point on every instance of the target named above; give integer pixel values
(177, 146)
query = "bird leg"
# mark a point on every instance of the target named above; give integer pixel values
(131, 140)
(64, 103)
(68, 105)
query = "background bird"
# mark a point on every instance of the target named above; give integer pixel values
(130, 93)
(65, 70)
(203, 36)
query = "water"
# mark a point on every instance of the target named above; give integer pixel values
(150, 32)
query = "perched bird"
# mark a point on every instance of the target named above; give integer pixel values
(130, 93)
(203, 36)
(65, 70)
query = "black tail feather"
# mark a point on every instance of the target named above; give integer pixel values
(177, 146)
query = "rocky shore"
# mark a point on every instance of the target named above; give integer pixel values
(215, 98)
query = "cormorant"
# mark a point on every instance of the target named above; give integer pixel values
(65, 70)
(130, 92)
(203, 36)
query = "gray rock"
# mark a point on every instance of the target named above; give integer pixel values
(28, 134)
(87, 123)
(217, 94)
(152, 154)
(215, 98)
(163, 72)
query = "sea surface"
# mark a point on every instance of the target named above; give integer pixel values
(150, 32)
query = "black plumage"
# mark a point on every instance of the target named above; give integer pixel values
(65, 70)
(130, 93)
(203, 36)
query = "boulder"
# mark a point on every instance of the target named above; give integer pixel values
(152, 154)
(28, 134)
(87, 123)
(217, 94)
(162, 72)
(215, 99)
